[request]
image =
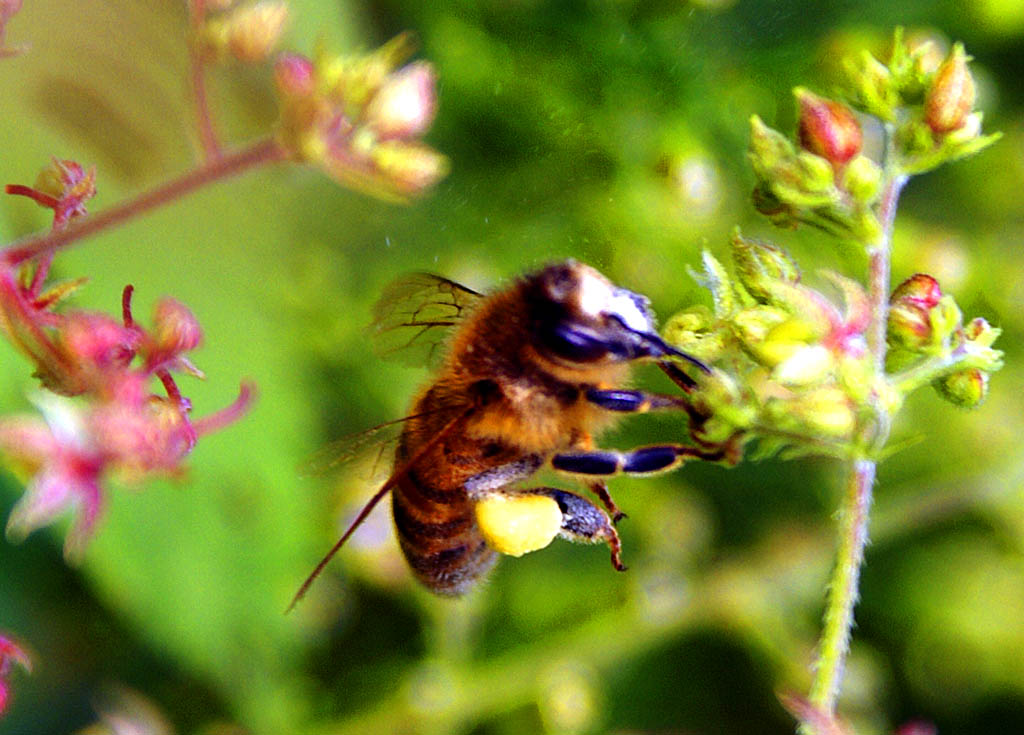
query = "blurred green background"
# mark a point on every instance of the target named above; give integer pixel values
(610, 131)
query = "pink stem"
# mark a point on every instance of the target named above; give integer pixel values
(261, 152)
(208, 137)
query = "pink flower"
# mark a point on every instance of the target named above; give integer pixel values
(116, 424)
(361, 119)
(10, 653)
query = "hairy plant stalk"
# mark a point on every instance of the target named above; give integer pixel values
(261, 152)
(842, 592)
(855, 510)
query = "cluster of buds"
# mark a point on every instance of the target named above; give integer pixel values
(931, 110)
(248, 33)
(7, 10)
(789, 363)
(360, 118)
(822, 179)
(927, 339)
(10, 654)
(115, 424)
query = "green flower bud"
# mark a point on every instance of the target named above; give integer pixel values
(862, 179)
(752, 327)
(827, 128)
(759, 263)
(825, 412)
(872, 86)
(694, 332)
(964, 388)
(950, 98)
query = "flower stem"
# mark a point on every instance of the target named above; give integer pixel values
(842, 593)
(204, 120)
(854, 512)
(261, 152)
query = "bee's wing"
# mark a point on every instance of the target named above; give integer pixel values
(460, 414)
(380, 440)
(415, 314)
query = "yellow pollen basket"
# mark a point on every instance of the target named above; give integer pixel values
(516, 525)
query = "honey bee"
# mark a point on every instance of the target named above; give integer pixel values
(528, 376)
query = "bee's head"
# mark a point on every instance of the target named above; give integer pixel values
(579, 317)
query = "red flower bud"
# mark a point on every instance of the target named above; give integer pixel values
(951, 96)
(910, 322)
(827, 128)
(920, 289)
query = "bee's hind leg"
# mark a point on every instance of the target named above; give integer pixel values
(583, 522)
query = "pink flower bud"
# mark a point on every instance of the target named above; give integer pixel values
(294, 75)
(98, 341)
(175, 327)
(951, 96)
(827, 128)
(405, 105)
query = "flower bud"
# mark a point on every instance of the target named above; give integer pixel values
(910, 306)
(862, 179)
(761, 264)
(980, 332)
(872, 86)
(827, 128)
(294, 75)
(695, 332)
(964, 388)
(951, 96)
(98, 341)
(409, 168)
(826, 412)
(249, 33)
(404, 106)
(175, 327)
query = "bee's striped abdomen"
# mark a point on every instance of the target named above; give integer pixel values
(438, 534)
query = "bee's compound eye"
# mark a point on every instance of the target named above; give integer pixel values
(518, 524)
(575, 345)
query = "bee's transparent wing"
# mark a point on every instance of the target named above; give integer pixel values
(378, 442)
(415, 315)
